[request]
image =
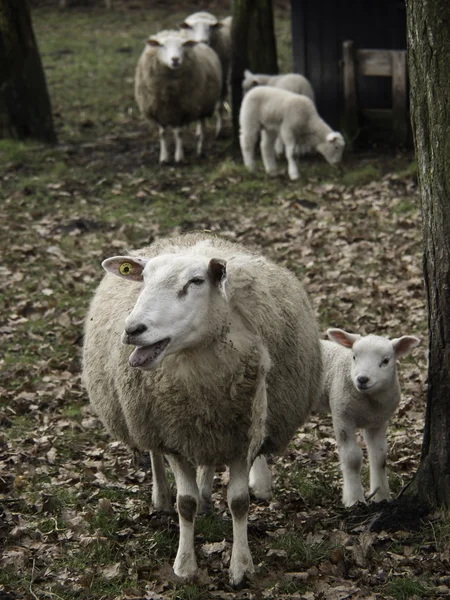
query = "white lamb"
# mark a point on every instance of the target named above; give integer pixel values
(206, 28)
(272, 112)
(293, 82)
(177, 81)
(225, 364)
(362, 390)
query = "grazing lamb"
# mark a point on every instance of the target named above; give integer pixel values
(362, 391)
(204, 351)
(177, 81)
(273, 112)
(206, 28)
(293, 82)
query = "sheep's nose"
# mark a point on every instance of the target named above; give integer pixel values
(135, 329)
(175, 61)
(362, 379)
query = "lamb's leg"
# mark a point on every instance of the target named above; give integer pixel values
(248, 142)
(200, 135)
(350, 456)
(267, 151)
(161, 494)
(279, 147)
(377, 450)
(289, 147)
(163, 147)
(241, 563)
(185, 565)
(260, 479)
(179, 152)
(205, 480)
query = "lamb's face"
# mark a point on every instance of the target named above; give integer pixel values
(373, 365)
(171, 48)
(171, 312)
(333, 148)
(200, 27)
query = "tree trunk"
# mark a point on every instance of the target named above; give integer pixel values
(429, 60)
(25, 110)
(254, 48)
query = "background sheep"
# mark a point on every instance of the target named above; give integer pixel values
(205, 27)
(226, 364)
(293, 82)
(177, 81)
(270, 112)
(362, 391)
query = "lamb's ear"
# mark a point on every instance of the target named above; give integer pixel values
(247, 73)
(404, 345)
(217, 25)
(185, 25)
(342, 337)
(334, 135)
(128, 267)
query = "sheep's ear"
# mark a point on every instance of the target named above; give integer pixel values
(404, 345)
(217, 270)
(185, 25)
(189, 43)
(153, 43)
(334, 135)
(342, 337)
(217, 25)
(128, 267)
(247, 73)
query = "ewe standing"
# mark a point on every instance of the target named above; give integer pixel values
(272, 112)
(178, 81)
(362, 391)
(225, 364)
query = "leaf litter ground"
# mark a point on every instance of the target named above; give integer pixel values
(75, 517)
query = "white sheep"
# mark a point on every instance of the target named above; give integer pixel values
(177, 81)
(362, 391)
(206, 28)
(272, 112)
(293, 82)
(225, 364)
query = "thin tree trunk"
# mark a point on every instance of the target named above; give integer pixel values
(429, 60)
(25, 109)
(253, 47)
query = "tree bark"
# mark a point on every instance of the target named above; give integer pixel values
(253, 47)
(428, 25)
(25, 109)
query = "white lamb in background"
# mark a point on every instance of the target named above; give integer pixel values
(202, 350)
(178, 81)
(272, 112)
(362, 391)
(292, 82)
(206, 28)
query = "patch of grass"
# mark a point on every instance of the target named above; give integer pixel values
(312, 490)
(404, 206)
(291, 587)
(409, 171)
(301, 550)
(404, 588)
(212, 527)
(361, 176)
(189, 592)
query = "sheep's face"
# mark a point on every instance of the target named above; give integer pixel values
(171, 48)
(374, 358)
(200, 26)
(172, 309)
(333, 148)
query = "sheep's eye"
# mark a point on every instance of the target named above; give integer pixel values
(354, 357)
(126, 268)
(197, 280)
(384, 362)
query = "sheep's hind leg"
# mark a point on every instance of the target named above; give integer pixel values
(289, 148)
(163, 146)
(267, 151)
(200, 135)
(161, 494)
(260, 479)
(185, 565)
(241, 563)
(377, 450)
(205, 480)
(179, 152)
(248, 143)
(350, 456)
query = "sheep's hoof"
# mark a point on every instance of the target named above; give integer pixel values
(241, 572)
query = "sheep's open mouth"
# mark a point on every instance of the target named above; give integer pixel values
(146, 356)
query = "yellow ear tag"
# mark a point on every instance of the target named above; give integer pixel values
(126, 268)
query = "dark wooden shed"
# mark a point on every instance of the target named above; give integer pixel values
(319, 28)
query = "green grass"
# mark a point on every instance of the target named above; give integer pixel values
(361, 175)
(212, 527)
(405, 588)
(300, 550)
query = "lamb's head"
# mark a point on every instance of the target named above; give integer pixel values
(173, 309)
(200, 26)
(374, 358)
(171, 47)
(332, 148)
(250, 80)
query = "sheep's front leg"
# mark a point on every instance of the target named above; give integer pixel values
(161, 494)
(179, 152)
(377, 450)
(205, 481)
(163, 146)
(260, 479)
(185, 565)
(267, 146)
(200, 135)
(289, 147)
(238, 501)
(350, 456)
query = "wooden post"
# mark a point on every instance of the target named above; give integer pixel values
(399, 96)
(350, 93)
